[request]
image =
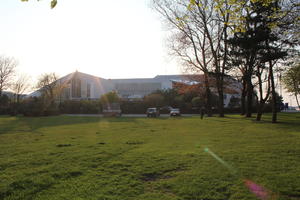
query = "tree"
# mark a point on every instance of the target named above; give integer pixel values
(154, 100)
(52, 3)
(279, 101)
(197, 102)
(199, 39)
(110, 97)
(4, 104)
(49, 87)
(20, 86)
(259, 46)
(7, 71)
(277, 43)
(234, 102)
(291, 80)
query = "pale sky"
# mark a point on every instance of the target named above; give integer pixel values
(109, 39)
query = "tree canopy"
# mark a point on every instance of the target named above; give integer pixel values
(291, 81)
(52, 3)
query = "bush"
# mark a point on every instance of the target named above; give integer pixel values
(80, 107)
(32, 107)
(133, 107)
(154, 100)
(37, 106)
(4, 105)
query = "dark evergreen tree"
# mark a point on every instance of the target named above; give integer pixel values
(258, 48)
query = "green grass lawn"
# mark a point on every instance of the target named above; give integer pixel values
(147, 159)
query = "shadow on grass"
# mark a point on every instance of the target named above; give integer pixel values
(287, 121)
(32, 124)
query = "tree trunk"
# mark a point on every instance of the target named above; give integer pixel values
(18, 98)
(259, 112)
(243, 98)
(221, 104)
(220, 95)
(249, 97)
(274, 100)
(208, 96)
(297, 101)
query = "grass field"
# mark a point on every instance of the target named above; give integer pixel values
(147, 159)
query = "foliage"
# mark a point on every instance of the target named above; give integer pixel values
(37, 106)
(20, 86)
(154, 100)
(4, 104)
(169, 96)
(7, 70)
(279, 101)
(138, 158)
(199, 39)
(33, 107)
(80, 107)
(133, 107)
(49, 87)
(52, 3)
(110, 97)
(291, 80)
(198, 102)
(234, 102)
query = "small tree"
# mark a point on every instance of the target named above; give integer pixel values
(198, 102)
(4, 104)
(48, 86)
(50, 89)
(7, 71)
(234, 102)
(279, 101)
(156, 100)
(110, 97)
(291, 80)
(20, 86)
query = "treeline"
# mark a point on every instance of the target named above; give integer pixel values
(247, 39)
(188, 102)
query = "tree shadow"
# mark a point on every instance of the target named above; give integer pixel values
(33, 124)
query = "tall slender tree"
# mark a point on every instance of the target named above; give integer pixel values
(7, 70)
(291, 81)
(200, 30)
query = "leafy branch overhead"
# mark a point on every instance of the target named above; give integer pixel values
(52, 4)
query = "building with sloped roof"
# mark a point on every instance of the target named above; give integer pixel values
(81, 86)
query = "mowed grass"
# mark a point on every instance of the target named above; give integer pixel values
(147, 159)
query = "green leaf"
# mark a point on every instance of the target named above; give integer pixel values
(53, 3)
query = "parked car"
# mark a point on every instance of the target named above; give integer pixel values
(152, 112)
(175, 112)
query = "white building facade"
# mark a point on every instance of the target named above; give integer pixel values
(81, 86)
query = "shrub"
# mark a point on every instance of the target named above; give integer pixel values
(4, 105)
(80, 107)
(37, 106)
(154, 100)
(133, 107)
(32, 107)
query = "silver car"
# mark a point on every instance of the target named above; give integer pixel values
(175, 112)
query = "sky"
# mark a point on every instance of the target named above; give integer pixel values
(109, 39)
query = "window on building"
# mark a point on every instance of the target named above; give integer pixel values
(76, 88)
(88, 90)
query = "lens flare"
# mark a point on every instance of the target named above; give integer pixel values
(230, 168)
(259, 191)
